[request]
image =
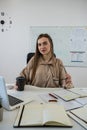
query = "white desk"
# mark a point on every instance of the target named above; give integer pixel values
(9, 116)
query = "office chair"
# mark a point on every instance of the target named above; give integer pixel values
(29, 56)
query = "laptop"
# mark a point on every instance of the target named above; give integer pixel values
(10, 102)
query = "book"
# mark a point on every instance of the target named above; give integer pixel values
(42, 115)
(82, 92)
(79, 115)
(65, 94)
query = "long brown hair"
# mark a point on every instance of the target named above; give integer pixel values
(38, 54)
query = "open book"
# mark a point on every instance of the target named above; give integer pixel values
(65, 94)
(82, 92)
(80, 115)
(42, 115)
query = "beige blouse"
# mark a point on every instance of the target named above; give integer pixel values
(48, 74)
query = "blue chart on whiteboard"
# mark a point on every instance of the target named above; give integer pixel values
(70, 43)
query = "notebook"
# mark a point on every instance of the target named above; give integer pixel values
(9, 102)
(66, 95)
(42, 115)
(79, 115)
(82, 92)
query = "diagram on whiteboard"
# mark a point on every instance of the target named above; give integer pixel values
(70, 43)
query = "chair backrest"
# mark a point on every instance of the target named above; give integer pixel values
(29, 56)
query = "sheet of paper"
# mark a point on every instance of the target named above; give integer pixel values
(47, 98)
(82, 100)
(69, 105)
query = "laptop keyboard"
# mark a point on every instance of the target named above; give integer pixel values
(13, 100)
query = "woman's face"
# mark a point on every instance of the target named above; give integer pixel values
(44, 45)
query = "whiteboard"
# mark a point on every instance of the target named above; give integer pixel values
(70, 43)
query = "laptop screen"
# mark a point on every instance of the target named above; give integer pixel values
(7, 100)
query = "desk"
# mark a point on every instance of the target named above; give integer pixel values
(30, 91)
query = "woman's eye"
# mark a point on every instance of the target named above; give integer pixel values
(39, 44)
(45, 43)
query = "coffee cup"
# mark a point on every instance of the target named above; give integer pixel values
(20, 82)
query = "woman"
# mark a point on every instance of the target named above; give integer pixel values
(44, 69)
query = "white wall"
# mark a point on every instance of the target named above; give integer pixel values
(15, 43)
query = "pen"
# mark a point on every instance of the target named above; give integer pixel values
(53, 96)
(53, 100)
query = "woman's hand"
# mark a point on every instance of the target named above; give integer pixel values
(68, 78)
(68, 81)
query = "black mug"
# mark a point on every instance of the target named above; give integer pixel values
(20, 82)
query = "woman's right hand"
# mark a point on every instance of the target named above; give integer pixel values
(69, 83)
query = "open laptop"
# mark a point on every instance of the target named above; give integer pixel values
(9, 102)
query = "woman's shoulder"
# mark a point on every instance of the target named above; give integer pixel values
(31, 61)
(58, 60)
